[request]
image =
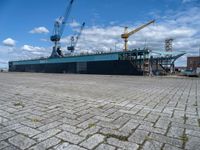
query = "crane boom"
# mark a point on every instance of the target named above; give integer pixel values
(140, 28)
(75, 41)
(59, 27)
(66, 16)
(79, 34)
(126, 34)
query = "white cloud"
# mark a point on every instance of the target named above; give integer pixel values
(74, 24)
(187, 1)
(39, 30)
(32, 48)
(5, 55)
(9, 42)
(3, 62)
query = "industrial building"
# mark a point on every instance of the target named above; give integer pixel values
(193, 62)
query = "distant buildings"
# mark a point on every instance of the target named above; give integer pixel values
(193, 62)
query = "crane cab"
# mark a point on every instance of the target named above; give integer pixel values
(55, 38)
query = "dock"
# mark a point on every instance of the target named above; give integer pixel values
(86, 112)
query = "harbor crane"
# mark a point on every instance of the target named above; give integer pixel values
(127, 34)
(59, 26)
(74, 40)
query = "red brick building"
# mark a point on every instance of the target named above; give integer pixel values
(193, 62)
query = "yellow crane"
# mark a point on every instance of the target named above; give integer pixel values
(127, 34)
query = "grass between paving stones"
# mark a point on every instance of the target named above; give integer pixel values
(90, 125)
(185, 118)
(199, 122)
(35, 120)
(19, 104)
(100, 107)
(119, 137)
(195, 104)
(184, 138)
(147, 138)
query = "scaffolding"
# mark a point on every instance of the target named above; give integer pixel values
(168, 45)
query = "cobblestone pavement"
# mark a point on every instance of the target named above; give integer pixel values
(79, 112)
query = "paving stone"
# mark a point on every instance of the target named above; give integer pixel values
(170, 147)
(50, 119)
(192, 121)
(69, 121)
(110, 111)
(108, 125)
(122, 144)
(46, 144)
(70, 116)
(165, 139)
(143, 113)
(93, 141)
(62, 146)
(116, 115)
(152, 129)
(34, 117)
(105, 147)
(49, 126)
(129, 112)
(47, 134)
(162, 123)
(193, 143)
(121, 121)
(71, 147)
(7, 135)
(175, 132)
(193, 133)
(3, 144)
(2, 119)
(21, 141)
(103, 118)
(28, 131)
(10, 147)
(152, 118)
(186, 126)
(152, 145)
(138, 136)
(107, 131)
(70, 137)
(90, 131)
(10, 127)
(87, 123)
(129, 126)
(32, 123)
(141, 121)
(70, 128)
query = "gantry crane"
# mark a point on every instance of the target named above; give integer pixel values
(74, 40)
(59, 27)
(127, 34)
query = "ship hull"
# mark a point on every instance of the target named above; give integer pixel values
(117, 67)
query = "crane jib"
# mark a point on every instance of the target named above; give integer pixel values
(59, 27)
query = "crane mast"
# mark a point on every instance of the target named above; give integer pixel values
(59, 26)
(127, 34)
(74, 40)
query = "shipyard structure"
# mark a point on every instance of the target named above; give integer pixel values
(134, 62)
(130, 63)
(125, 62)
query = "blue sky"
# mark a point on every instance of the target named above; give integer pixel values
(26, 25)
